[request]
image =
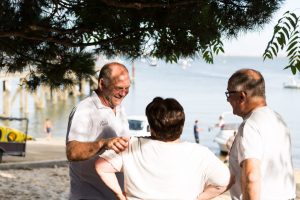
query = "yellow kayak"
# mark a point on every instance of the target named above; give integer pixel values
(13, 135)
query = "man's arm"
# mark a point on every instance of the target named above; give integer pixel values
(107, 173)
(77, 151)
(251, 179)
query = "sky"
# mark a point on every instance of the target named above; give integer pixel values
(254, 43)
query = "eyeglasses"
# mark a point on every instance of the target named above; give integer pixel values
(227, 93)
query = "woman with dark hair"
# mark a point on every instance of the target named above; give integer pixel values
(160, 166)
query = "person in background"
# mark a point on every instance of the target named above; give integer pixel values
(260, 155)
(161, 166)
(196, 131)
(93, 126)
(228, 144)
(48, 128)
(220, 124)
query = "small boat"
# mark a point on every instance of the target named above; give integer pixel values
(292, 84)
(185, 62)
(13, 141)
(138, 125)
(227, 131)
(153, 62)
(8, 134)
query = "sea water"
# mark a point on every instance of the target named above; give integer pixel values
(198, 86)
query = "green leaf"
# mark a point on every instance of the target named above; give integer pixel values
(291, 45)
(282, 40)
(287, 24)
(276, 46)
(287, 67)
(276, 29)
(293, 23)
(294, 70)
(274, 51)
(292, 50)
(295, 17)
(215, 48)
(270, 56)
(286, 33)
(294, 36)
(295, 57)
(267, 54)
(297, 65)
(220, 49)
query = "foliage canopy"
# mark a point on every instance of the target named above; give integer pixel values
(286, 34)
(50, 38)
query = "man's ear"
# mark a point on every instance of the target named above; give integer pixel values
(101, 84)
(242, 96)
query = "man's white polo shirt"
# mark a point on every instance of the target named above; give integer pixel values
(88, 122)
(92, 120)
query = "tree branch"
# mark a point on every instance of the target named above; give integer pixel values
(141, 5)
(66, 41)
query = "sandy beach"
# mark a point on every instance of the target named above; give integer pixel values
(43, 173)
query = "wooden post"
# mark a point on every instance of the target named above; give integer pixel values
(132, 73)
(4, 86)
(53, 96)
(6, 103)
(80, 87)
(83, 86)
(41, 97)
(26, 110)
(21, 96)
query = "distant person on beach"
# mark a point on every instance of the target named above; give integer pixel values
(91, 123)
(196, 131)
(221, 122)
(228, 145)
(260, 156)
(48, 128)
(161, 166)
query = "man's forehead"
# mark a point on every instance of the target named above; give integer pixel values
(122, 80)
(118, 72)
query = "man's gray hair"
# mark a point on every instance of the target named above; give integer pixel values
(248, 80)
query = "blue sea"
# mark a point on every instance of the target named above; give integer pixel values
(198, 86)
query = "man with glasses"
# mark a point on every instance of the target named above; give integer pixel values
(260, 157)
(91, 123)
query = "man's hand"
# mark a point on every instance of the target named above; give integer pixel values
(117, 144)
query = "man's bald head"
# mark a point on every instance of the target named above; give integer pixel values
(248, 80)
(110, 70)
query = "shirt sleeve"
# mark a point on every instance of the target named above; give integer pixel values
(217, 172)
(113, 158)
(250, 144)
(80, 125)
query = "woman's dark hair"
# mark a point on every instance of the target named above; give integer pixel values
(166, 118)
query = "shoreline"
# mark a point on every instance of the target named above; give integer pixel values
(40, 149)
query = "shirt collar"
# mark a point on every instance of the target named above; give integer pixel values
(98, 102)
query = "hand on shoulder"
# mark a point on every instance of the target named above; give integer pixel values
(118, 144)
